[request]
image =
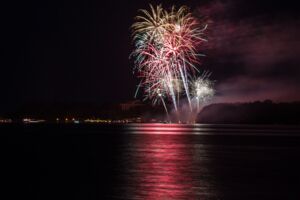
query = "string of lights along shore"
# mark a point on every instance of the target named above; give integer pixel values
(166, 57)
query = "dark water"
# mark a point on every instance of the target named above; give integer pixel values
(150, 161)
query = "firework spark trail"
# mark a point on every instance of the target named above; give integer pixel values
(166, 44)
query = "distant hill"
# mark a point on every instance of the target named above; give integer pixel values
(265, 112)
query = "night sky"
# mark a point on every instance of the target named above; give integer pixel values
(77, 51)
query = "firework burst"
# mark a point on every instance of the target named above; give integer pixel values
(202, 89)
(166, 44)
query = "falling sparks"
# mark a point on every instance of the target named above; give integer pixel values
(166, 55)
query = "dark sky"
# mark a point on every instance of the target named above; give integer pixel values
(77, 51)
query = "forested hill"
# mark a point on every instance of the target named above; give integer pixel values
(265, 112)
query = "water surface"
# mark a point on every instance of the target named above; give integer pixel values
(152, 161)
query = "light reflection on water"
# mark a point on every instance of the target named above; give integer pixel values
(206, 129)
(166, 167)
(178, 162)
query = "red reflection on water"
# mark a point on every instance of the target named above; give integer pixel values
(162, 167)
(160, 128)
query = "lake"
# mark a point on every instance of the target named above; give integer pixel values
(151, 161)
